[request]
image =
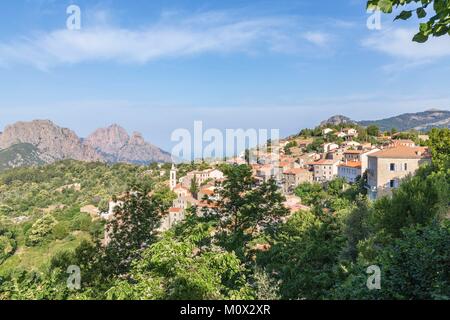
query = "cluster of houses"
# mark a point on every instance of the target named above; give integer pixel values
(385, 165)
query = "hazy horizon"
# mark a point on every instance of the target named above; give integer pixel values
(157, 66)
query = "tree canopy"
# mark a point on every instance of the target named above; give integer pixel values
(437, 13)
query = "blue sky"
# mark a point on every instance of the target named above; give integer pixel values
(155, 66)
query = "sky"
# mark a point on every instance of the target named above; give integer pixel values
(157, 66)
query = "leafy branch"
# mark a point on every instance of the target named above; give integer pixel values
(437, 25)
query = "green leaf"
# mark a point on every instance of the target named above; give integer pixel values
(404, 15)
(421, 13)
(420, 38)
(385, 6)
(440, 30)
(425, 28)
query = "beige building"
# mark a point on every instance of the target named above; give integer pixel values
(402, 143)
(172, 217)
(294, 177)
(325, 170)
(359, 156)
(201, 177)
(386, 168)
(353, 155)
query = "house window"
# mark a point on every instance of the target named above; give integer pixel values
(392, 166)
(392, 183)
(406, 167)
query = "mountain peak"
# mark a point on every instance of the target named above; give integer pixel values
(337, 120)
(116, 145)
(53, 142)
(42, 141)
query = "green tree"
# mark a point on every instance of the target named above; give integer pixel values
(8, 243)
(373, 130)
(194, 189)
(244, 208)
(181, 267)
(420, 199)
(437, 25)
(310, 193)
(440, 148)
(413, 267)
(132, 229)
(305, 255)
(40, 230)
(247, 156)
(357, 227)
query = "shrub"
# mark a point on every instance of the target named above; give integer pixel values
(61, 230)
(40, 230)
(7, 244)
(81, 223)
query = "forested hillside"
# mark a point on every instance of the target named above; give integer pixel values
(40, 208)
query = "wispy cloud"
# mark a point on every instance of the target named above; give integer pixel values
(318, 38)
(398, 43)
(210, 32)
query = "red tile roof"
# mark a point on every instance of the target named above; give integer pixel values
(351, 164)
(296, 171)
(402, 152)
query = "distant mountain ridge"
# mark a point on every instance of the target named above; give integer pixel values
(42, 141)
(420, 121)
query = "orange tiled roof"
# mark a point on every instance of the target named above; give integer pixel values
(402, 152)
(399, 141)
(323, 162)
(295, 171)
(207, 191)
(179, 186)
(205, 204)
(351, 164)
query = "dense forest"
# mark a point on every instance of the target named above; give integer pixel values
(244, 246)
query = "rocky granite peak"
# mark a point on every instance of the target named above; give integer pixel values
(45, 142)
(116, 145)
(137, 139)
(53, 142)
(108, 140)
(337, 120)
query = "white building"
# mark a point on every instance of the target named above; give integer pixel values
(350, 171)
(326, 131)
(327, 147)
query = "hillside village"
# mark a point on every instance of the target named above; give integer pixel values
(300, 201)
(354, 154)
